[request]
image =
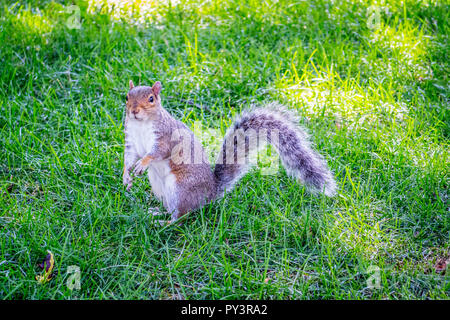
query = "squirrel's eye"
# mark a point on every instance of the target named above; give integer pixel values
(150, 99)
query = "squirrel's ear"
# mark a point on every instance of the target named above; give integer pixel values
(131, 84)
(157, 88)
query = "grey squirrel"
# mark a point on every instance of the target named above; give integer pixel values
(153, 139)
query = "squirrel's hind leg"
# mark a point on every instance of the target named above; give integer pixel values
(155, 211)
(162, 223)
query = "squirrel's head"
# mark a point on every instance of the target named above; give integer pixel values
(143, 101)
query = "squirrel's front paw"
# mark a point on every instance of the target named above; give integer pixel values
(127, 180)
(141, 165)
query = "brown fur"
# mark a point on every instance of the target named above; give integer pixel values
(146, 160)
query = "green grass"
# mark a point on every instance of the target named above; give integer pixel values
(375, 100)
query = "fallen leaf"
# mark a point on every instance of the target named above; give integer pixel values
(441, 265)
(47, 266)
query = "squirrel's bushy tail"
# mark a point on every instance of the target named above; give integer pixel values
(275, 125)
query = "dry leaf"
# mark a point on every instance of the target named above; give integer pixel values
(47, 266)
(441, 265)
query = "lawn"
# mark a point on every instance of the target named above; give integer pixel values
(370, 84)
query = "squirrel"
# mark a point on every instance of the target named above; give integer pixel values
(153, 138)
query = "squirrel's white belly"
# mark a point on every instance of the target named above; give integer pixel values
(163, 183)
(162, 180)
(142, 135)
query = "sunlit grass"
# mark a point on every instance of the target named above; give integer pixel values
(138, 12)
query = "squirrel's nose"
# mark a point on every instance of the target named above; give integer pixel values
(136, 111)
